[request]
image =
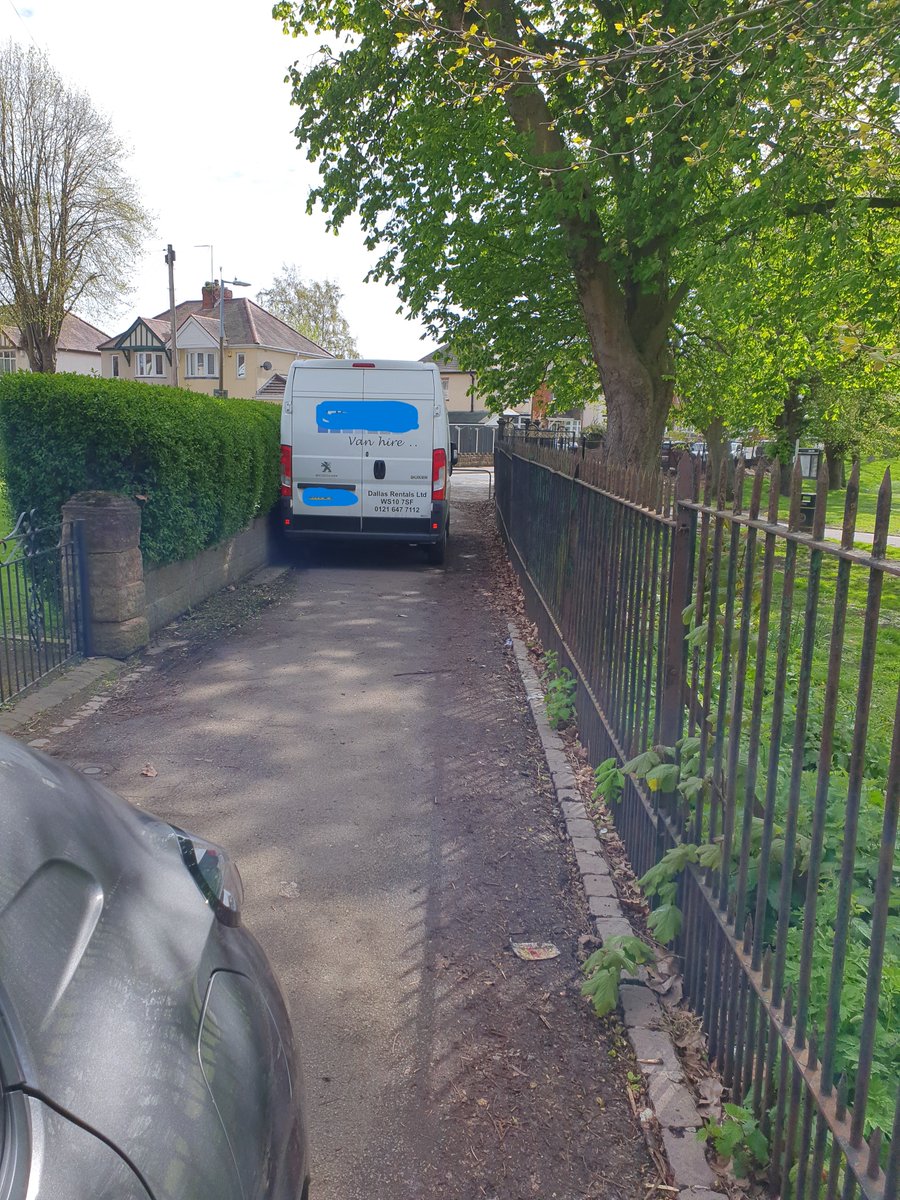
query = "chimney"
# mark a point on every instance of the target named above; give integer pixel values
(210, 295)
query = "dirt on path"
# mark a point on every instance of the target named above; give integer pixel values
(356, 734)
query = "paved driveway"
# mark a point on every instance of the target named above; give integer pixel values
(361, 745)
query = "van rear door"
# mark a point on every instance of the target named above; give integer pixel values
(397, 456)
(327, 456)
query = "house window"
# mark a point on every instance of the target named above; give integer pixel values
(115, 366)
(445, 388)
(202, 364)
(148, 364)
(241, 366)
(7, 362)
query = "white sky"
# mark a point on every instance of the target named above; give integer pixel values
(195, 89)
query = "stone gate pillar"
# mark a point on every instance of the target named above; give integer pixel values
(115, 570)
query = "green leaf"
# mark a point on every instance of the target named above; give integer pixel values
(709, 855)
(641, 764)
(689, 746)
(737, 1113)
(664, 777)
(665, 923)
(697, 635)
(603, 990)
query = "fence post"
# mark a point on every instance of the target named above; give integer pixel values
(83, 591)
(680, 588)
(111, 530)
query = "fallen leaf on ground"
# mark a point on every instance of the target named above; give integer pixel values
(709, 1092)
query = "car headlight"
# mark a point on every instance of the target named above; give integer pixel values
(215, 874)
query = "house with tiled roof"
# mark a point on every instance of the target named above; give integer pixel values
(77, 348)
(459, 386)
(259, 348)
(465, 402)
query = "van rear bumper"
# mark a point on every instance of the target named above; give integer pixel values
(420, 530)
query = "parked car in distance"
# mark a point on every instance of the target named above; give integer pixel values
(736, 451)
(145, 1048)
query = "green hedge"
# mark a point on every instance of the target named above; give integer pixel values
(206, 465)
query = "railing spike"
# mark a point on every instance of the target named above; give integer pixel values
(873, 1168)
(737, 505)
(882, 517)
(818, 525)
(812, 1060)
(707, 486)
(788, 1011)
(842, 1097)
(851, 504)
(748, 934)
(722, 491)
(756, 494)
(767, 968)
(774, 492)
(796, 496)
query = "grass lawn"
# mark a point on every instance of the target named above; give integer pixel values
(6, 517)
(870, 477)
(876, 758)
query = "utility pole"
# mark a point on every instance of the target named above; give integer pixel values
(221, 334)
(170, 263)
(222, 282)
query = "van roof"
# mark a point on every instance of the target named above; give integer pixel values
(392, 364)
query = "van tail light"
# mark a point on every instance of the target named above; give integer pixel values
(438, 474)
(286, 468)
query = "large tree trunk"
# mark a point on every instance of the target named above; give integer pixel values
(40, 348)
(837, 475)
(717, 448)
(789, 425)
(628, 325)
(636, 371)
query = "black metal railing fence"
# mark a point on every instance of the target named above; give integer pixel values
(43, 601)
(758, 666)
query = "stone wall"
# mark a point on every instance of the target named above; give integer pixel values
(176, 587)
(115, 570)
(129, 602)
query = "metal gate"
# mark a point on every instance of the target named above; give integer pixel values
(44, 603)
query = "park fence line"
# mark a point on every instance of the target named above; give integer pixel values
(693, 619)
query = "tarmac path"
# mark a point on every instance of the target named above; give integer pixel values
(362, 746)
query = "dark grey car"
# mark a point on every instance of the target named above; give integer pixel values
(145, 1049)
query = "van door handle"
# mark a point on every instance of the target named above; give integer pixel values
(379, 468)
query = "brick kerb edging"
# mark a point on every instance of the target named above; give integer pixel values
(669, 1094)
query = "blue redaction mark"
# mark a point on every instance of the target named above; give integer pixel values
(339, 498)
(366, 416)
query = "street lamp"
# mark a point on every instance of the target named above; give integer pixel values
(233, 283)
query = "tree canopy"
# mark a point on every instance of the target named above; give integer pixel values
(796, 336)
(70, 221)
(547, 181)
(312, 306)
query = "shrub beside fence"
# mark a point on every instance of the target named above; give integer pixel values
(200, 466)
(747, 674)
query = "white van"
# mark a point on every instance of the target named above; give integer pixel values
(365, 452)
